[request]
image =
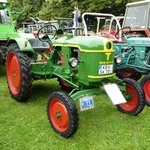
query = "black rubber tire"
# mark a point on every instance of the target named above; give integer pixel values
(25, 74)
(72, 113)
(144, 81)
(140, 98)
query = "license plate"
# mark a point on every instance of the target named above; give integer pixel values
(86, 103)
(114, 93)
(105, 69)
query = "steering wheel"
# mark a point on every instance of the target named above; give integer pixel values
(123, 31)
(45, 31)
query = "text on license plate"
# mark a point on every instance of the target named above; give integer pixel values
(105, 69)
(86, 102)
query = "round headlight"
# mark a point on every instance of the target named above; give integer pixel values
(118, 60)
(73, 62)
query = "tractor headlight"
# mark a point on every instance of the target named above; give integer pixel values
(73, 62)
(118, 59)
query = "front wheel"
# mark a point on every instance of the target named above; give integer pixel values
(62, 114)
(134, 96)
(145, 83)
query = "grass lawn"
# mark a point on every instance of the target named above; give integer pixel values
(24, 126)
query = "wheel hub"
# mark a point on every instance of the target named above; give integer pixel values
(14, 73)
(131, 97)
(128, 96)
(58, 115)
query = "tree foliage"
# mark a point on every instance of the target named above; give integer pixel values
(23, 9)
(48, 9)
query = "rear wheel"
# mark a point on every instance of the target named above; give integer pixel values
(145, 83)
(135, 98)
(19, 76)
(62, 114)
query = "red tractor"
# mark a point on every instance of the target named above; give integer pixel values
(137, 17)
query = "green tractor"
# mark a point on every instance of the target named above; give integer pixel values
(8, 35)
(84, 63)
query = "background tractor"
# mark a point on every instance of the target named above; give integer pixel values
(84, 63)
(24, 42)
(33, 24)
(8, 35)
(137, 17)
(133, 61)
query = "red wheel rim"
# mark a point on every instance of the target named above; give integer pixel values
(131, 104)
(59, 115)
(146, 88)
(13, 73)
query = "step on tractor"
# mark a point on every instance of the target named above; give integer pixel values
(132, 54)
(84, 63)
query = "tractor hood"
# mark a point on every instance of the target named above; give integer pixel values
(139, 41)
(86, 42)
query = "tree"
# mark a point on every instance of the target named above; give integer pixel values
(48, 9)
(22, 9)
(64, 8)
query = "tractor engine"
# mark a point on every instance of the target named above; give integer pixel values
(96, 63)
(87, 61)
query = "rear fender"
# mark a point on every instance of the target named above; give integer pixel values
(23, 44)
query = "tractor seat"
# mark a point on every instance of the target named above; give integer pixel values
(38, 45)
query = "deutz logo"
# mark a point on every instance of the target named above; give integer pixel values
(108, 55)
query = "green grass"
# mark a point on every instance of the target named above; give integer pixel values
(25, 125)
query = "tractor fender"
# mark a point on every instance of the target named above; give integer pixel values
(23, 44)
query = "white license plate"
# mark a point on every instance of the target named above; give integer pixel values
(105, 69)
(86, 102)
(114, 93)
